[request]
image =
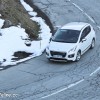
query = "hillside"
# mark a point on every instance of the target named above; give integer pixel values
(13, 11)
(17, 18)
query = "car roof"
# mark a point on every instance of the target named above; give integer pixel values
(75, 25)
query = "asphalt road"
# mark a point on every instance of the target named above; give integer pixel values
(39, 79)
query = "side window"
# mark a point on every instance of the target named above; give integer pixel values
(85, 32)
(88, 30)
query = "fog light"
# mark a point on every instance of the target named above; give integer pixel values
(71, 56)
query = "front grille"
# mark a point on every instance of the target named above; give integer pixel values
(57, 59)
(63, 54)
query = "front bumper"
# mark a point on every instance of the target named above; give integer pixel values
(68, 57)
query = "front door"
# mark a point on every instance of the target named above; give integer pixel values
(85, 39)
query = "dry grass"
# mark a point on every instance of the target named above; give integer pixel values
(15, 12)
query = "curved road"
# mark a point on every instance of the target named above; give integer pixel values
(38, 79)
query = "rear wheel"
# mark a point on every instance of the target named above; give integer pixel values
(92, 44)
(78, 56)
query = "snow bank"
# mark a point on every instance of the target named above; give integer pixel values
(11, 40)
(26, 6)
(1, 22)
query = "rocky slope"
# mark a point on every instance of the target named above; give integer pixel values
(13, 12)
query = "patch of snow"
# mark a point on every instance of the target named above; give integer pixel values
(33, 14)
(11, 42)
(1, 22)
(26, 6)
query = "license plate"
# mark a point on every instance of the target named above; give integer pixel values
(57, 56)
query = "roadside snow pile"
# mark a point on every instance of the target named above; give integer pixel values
(26, 6)
(1, 22)
(14, 39)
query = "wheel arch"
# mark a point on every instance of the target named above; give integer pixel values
(79, 50)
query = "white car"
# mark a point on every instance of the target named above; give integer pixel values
(71, 41)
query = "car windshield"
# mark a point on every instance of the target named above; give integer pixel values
(66, 36)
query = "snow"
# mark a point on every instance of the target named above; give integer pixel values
(1, 22)
(13, 40)
(26, 6)
(33, 14)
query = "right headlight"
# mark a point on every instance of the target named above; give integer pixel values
(72, 50)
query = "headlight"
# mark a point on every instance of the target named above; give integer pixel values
(73, 49)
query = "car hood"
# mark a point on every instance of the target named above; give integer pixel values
(60, 46)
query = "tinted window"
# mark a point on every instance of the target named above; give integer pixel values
(85, 32)
(88, 29)
(67, 36)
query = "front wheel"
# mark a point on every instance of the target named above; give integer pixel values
(78, 56)
(92, 44)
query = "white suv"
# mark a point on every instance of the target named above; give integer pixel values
(71, 41)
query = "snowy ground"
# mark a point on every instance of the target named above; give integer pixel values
(13, 39)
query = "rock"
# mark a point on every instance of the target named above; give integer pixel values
(7, 23)
(27, 42)
(20, 55)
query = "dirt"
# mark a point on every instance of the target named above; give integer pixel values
(20, 55)
(13, 10)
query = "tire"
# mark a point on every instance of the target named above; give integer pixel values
(78, 56)
(92, 44)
